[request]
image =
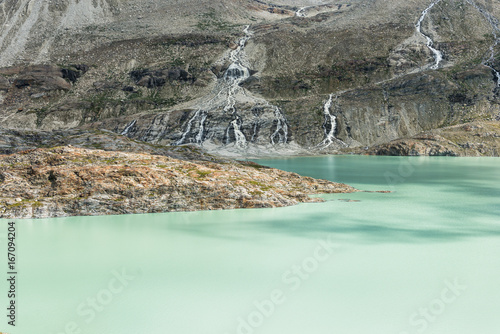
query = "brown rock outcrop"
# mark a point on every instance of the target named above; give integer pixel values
(68, 181)
(44, 76)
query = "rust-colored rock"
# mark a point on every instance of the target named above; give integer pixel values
(69, 181)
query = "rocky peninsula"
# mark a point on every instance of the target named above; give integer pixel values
(70, 181)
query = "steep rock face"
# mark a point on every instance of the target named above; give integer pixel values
(254, 76)
(468, 140)
(71, 181)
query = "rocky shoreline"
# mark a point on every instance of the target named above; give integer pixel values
(70, 181)
(474, 139)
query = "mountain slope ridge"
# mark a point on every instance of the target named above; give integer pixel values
(372, 55)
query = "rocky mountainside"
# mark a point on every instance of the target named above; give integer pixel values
(68, 181)
(14, 141)
(470, 140)
(250, 77)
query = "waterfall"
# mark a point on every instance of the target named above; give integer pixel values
(495, 31)
(234, 56)
(224, 97)
(234, 75)
(128, 127)
(254, 134)
(438, 56)
(281, 128)
(301, 12)
(199, 135)
(239, 136)
(329, 133)
(199, 116)
(329, 126)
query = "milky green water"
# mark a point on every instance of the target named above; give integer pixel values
(422, 259)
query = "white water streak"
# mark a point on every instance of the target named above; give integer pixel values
(201, 116)
(128, 127)
(281, 131)
(236, 74)
(301, 12)
(201, 129)
(224, 96)
(438, 56)
(254, 135)
(330, 131)
(239, 136)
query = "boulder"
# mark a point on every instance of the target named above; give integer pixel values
(45, 77)
(158, 78)
(4, 83)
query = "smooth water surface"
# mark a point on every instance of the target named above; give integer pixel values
(421, 259)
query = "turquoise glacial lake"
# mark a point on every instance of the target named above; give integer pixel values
(424, 258)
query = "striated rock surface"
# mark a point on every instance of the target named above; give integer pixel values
(469, 140)
(240, 77)
(69, 181)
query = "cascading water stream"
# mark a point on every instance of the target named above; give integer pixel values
(199, 116)
(281, 132)
(224, 97)
(128, 127)
(438, 56)
(199, 135)
(329, 126)
(234, 75)
(301, 12)
(228, 87)
(495, 31)
(240, 138)
(240, 74)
